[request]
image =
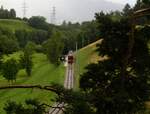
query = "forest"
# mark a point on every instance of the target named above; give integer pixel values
(119, 84)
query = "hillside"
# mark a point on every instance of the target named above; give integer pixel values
(84, 57)
(43, 73)
(14, 24)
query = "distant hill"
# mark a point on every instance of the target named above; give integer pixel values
(13, 25)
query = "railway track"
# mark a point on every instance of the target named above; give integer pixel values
(68, 84)
(57, 110)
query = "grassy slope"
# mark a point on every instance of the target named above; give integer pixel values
(43, 73)
(85, 56)
(14, 24)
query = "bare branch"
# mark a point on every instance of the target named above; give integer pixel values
(146, 10)
(48, 88)
(141, 13)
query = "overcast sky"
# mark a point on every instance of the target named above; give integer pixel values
(69, 10)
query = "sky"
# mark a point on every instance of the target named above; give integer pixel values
(69, 10)
(131, 2)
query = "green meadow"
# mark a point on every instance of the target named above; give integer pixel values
(43, 73)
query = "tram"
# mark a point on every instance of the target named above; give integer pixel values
(70, 58)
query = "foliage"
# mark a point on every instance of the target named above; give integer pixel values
(76, 100)
(7, 45)
(116, 15)
(38, 22)
(10, 69)
(140, 5)
(116, 85)
(30, 48)
(54, 47)
(39, 36)
(1, 62)
(5, 14)
(43, 73)
(8, 42)
(127, 10)
(39, 49)
(12, 13)
(88, 34)
(36, 36)
(33, 106)
(26, 58)
(23, 36)
(73, 33)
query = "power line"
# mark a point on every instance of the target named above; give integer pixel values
(53, 15)
(24, 8)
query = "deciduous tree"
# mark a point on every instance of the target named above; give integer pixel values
(10, 69)
(26, 58)
(38, 22)
(32, 106)
(54, 47)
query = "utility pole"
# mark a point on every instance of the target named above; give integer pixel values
(82, 42)
(76, 65)
(76, 46)
(53, 15)
(24, 8)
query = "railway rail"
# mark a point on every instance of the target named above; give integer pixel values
(68, 84)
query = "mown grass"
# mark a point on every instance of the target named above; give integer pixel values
(14, 25)
(43, 73)
(84, 57)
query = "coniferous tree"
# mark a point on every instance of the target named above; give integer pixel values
(5, 14)
(12, 13)
(127, 10)
(120, 83)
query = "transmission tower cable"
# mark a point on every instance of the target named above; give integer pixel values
(53, 15)
(24, 9)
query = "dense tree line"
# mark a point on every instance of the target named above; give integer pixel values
(6, 14)
(71, 33)
(82, 34)
(38, 22)
(8, 41)
(36, 36)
